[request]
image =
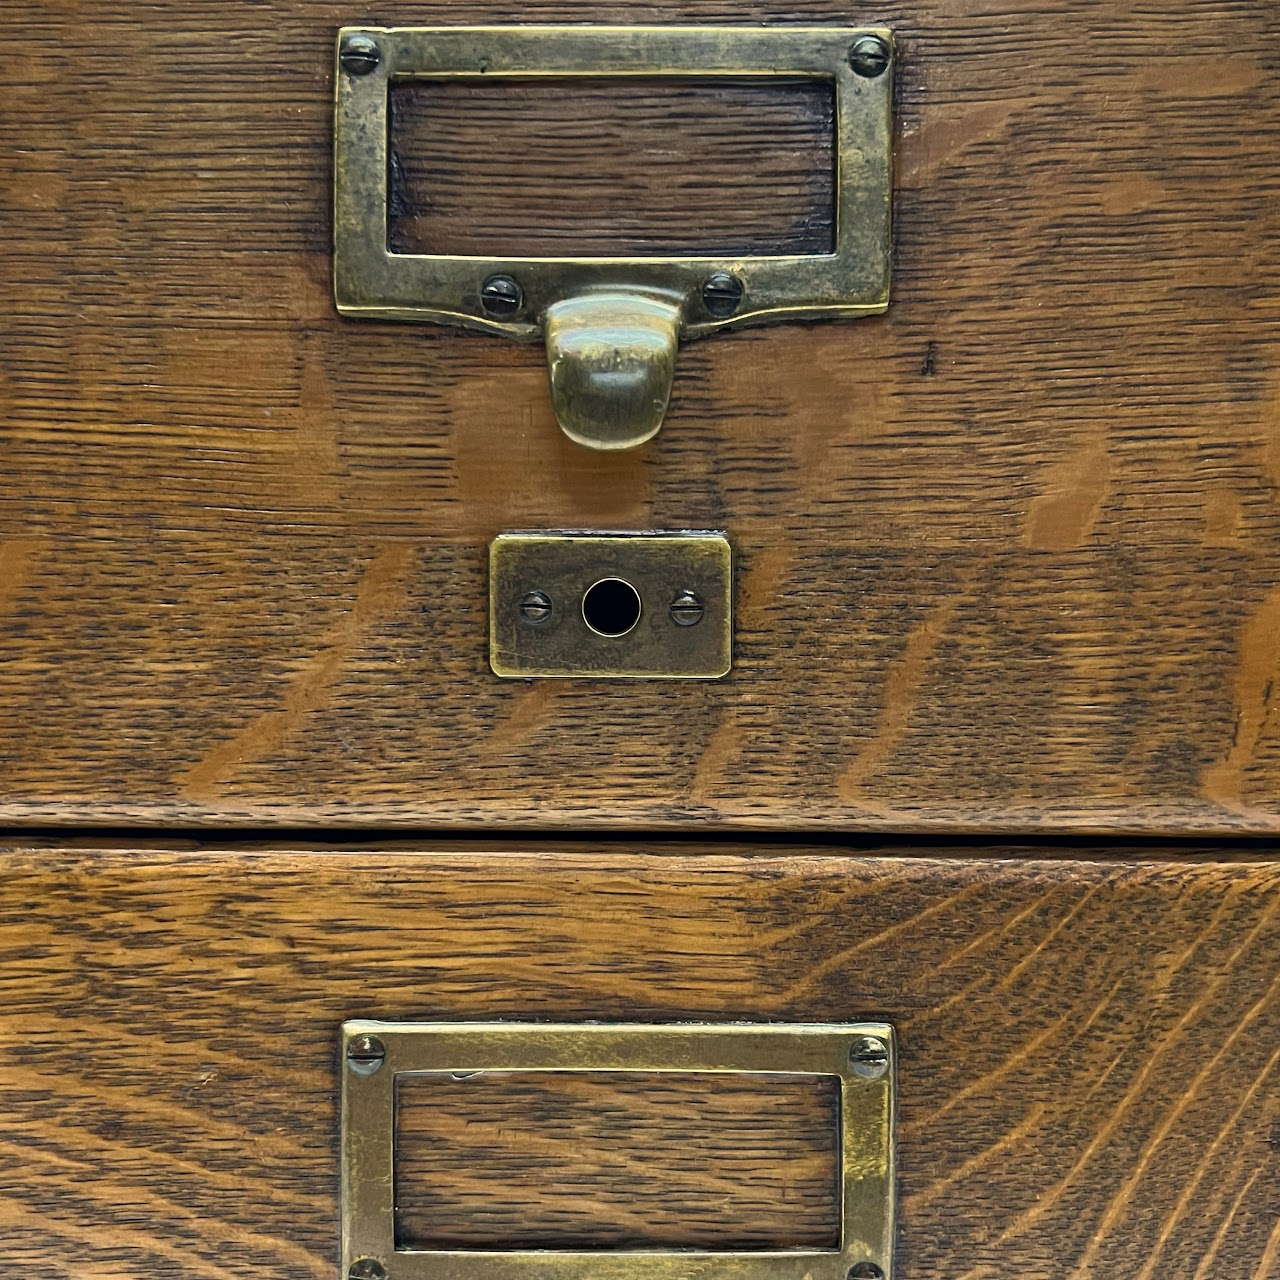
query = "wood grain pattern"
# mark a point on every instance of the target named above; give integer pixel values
(1088, 1080)
(618, 1160)
(612, 167)
(1009, 556)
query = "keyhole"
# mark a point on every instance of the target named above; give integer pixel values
(611, 607)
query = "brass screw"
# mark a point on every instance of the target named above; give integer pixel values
(536, 607)
(360, 55)
(367, 1269)
(869, 56)
(869, 1058)
(501, 296)
(366, 1054)
(865, 1271)
(722, 294)
(686, 609)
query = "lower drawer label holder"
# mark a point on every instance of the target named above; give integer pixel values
(375, 1055)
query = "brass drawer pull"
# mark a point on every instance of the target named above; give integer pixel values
(612, 325)
(376, 1055)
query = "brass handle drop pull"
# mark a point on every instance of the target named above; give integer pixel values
(612, 325)
(611, 358)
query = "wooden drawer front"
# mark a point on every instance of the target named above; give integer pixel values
(1008, 556)
(1088, 1049)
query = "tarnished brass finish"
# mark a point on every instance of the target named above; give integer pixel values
(611, 358)
(866, 1139)
(540, 620)
(611, 324)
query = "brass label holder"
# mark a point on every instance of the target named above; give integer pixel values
(612, 325)
(376, 1054)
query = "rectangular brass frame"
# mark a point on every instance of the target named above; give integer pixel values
(866, 1140)
(371, 281)
(564, 565)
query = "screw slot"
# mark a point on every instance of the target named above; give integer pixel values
(536, 607)
(869, 57)
(611, 607)
(359, 55)
(501, 296)
(365, 1054)
(722, 294)
(687, 609)
(367, 1269)
(869, 1058)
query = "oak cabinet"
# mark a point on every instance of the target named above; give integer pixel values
(996, 762)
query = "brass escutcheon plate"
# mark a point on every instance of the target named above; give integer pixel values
(377, 1054)
(611, 605)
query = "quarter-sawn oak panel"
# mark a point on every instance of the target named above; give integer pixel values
(1009, 556)
(617, 1160)
(1088, 1080)
(665, 167)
